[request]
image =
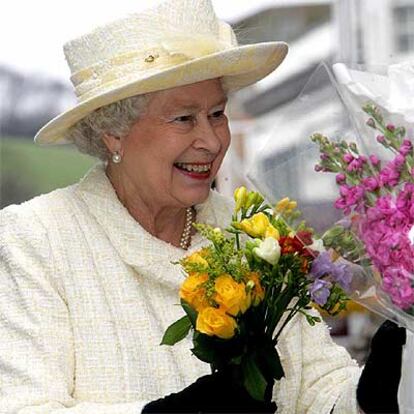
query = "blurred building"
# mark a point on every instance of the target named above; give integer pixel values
(367, 34)
(374, 31)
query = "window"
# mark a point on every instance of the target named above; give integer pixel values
(404, 28)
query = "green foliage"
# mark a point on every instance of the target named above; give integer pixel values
(27, 169)
(254, 380)
(191, 313)
(336, 302)
(177, 331)
(224, 257)
(345, 243)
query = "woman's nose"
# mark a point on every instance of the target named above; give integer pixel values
(207, 137)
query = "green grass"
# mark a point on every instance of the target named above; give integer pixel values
(27, 169)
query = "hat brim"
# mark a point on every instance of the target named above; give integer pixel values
(238, 67)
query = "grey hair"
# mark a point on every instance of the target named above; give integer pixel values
(114, 119)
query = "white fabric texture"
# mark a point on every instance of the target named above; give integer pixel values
(85, 296)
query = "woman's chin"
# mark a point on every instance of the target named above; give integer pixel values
(194, 196)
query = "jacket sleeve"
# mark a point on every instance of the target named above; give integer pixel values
(37, 361)
(329, 375)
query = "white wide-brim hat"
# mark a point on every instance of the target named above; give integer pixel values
(177, 43)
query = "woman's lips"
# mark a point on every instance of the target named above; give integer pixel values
(198, 171)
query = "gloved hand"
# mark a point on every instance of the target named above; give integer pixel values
(215, 393)
(378, 385)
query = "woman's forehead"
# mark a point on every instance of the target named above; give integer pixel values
(198, 95)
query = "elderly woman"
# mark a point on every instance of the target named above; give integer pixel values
(86, 281)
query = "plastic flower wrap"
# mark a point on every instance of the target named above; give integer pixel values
(241, 290)
(352, 158)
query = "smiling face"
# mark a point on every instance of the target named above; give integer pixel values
(173, 152)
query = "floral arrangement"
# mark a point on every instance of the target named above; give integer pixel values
(377, 199)
(244, 287)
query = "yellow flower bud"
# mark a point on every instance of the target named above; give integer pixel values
(249, 285)
(255, 226)
(259, 198)
(251, 199)
(240, 197)
(215, 322)
(196, 258)
(257, 292)
(272, 232)
(292, 205)
(231, 295)
(193, 291)
(282, 205)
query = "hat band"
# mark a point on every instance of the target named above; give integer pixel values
(95, 79)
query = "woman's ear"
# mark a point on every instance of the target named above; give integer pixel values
(113, 143)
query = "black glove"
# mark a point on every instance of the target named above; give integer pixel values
(215, 393)
(378, 385)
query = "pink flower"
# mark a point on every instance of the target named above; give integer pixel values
(351, 197)
(385, 232)
(398, 284)
(370, 183)
(348, 157)
(398, 161)
(389, 176)
(374, 160)
(406, 147)
(354, 165)
(340, 178)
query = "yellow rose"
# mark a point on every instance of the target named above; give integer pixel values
(215, 322)
(256, 225)
(257, 292)
(193, 292)
(230, 295)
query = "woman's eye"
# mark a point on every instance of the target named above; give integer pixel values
(183, 118)
(217, 114)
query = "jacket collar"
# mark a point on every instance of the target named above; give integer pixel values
(149, 256)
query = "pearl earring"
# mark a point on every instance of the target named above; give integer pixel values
(116, 157)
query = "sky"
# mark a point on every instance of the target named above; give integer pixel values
(32, 32)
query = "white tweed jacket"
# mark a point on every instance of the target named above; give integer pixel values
(85, 296)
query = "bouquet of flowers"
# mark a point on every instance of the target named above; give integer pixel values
(368, 202)
(244, 287)
(378, 198)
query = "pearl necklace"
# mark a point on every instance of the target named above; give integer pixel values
(186, 235)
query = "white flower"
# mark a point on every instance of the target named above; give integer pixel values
(268, 250)
(317, 246)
